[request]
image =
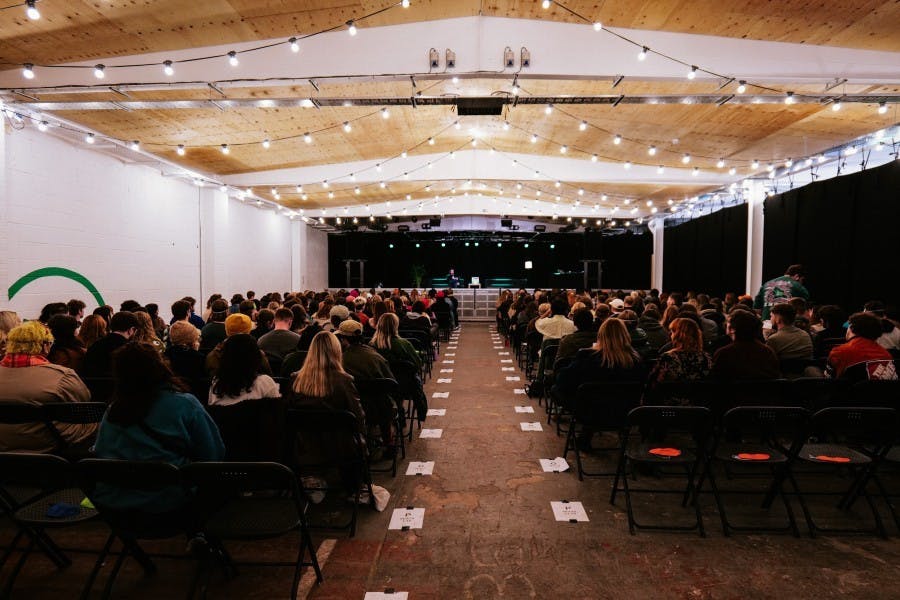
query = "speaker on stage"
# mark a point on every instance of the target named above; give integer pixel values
(505, 222)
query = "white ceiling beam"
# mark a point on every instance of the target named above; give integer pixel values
(478, 164)
(479, 43)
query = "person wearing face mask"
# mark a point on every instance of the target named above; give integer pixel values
(28, 377)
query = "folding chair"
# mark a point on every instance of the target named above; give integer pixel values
(50, 480)
(601, 407)
(752, 438)
(857, 439)
(256, 501)
(336, 433)
(659, 448)
(382, 397)
(104, 479)
(252, 430)
(78, 413)
(412, 402)
(816, 393)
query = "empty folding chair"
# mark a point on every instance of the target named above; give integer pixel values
(38, 492)
(380, 399)
(252, 501)
(668, 436)
(755, 439)
(854, 440)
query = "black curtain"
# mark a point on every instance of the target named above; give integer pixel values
(707, 254)
(845, 230)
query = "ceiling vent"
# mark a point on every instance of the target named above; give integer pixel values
(479, 106)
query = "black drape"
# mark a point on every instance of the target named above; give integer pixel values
(845, 230)
(707, 254)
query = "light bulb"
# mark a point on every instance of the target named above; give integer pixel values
(642, 55)
(755, 165)
(295, 46)
(431, 141)
(686, 159)
(545, 4)
(732, 171)
(563, 149)
(457, 126)
(651, 150)
(404, 3)
(382, 184)
(534, 138)
(325, 183)
(233, 59)
(28, 71)
(598, 25)
(168, 69)
(403, 154)
(347, 127)
(99, 71)
(180, 150)
(516, 89)
(356, 190)
(593, 158)
(307, 138)
(582, 126)
(385, 113)
(33, 13)
(89, 138)
(135, 145)
(42, 126)
(789, 163)
(454, 79)
(351, 27)
(627, 164)
(721, 163)
(695, 172)
(836, 106)
(789, 98)
(617, 139)
(882, 108)
(266, 143)
(692, 73)
(548, 109)
(225, 149)
(505, 125)
(660, 170)
(742, 86)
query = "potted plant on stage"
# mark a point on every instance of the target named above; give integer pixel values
(418, 274)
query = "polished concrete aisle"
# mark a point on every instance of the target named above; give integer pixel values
(489, 531)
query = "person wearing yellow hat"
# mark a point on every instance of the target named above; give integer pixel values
(27, 377)
(234, 324)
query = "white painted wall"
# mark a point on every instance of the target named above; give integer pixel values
(313, 256)
(133, 232)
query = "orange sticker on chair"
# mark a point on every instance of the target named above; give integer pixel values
(750, 456)
(666, 452)
(834, 459)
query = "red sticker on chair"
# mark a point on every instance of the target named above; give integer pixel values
(665, 452)
(834, 459)
(750, 456)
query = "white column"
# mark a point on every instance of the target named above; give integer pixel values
(657, 229)
(756, 195)
(297, 228)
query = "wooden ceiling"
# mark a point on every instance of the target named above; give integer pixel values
(78, 30)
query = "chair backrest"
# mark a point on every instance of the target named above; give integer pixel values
(875, 393)
(663, 420)
(873, 425)
(605, 405)
(816, 393)
(253, 429)
(766, 423)
(19, 413)
(44, 471)
(220, 479)
(75, 412)
(376, 387)
(126, 474)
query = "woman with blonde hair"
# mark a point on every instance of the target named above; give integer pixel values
(93, 328)
(146, 332)
(9, 320)
(686, 361)
(390, 345)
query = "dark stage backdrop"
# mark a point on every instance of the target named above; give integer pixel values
(707, 254)
(627, 257)
(846, 231)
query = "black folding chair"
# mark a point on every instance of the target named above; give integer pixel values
(253, 430)
(669, 435)
(601, 407)
(852, 439)
(335, 433)
(816, 393)
(413, 403)
(382, 397)
(255, 501)
(755, 438)
(52, 501)
(107, 483)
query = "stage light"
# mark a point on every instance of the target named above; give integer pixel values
(390, 245)
(552, 246)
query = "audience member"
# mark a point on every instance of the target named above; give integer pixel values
(194, 318)
(265, 322)
(890, 334)
(862, 357)
(152, 419)
(281, 341)
(27, 377)
(584, 336)
(747, 356)
(649, 321)
(98, 360)
(234, 324)
(54, 308)
(106, 312)
(67, 349)
(781, 289)
(9, 320)
(75, 309)
(183, 352)
(388, 343)
(159, 326)
(686, 361)
(557, 325)
(145, 333)
(92, 329)
(787, 341)
(239, 377)
(213, 333)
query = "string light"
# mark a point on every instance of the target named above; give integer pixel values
(617, 139)
(351, 27)
(548, 109)
(31, 11)
(457, 125)
(347, 127)
(180, 150)
(882, 108)
(721, 163)
(431, 141)
(307, 138)
(836, 105)
(295, 47)
(135, 145)
(100, 71)
(454, 80)
(505, 125)
(233, 59)
(789, 98)
(651, 150)
(598, 25)
(660, 170)
(695, 172)
(385, 113)
(167, 68)
(225, 149)
(89, 138)
(627, 164)
(266, 143)
(692, 73)
(686, 159)
(732, 171)
(563, 149)
(545, 4)
(28, 71)
(42, 126)
(534, 138)
(754, 165)
(742, 86)
(594, 158)
(642, 55)
(582, 126)
(404, 3)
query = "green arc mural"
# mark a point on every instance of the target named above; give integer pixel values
(55, 272)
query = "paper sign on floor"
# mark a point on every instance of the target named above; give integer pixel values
(513, 378)
(505, 360)
(450, 354)
(420, 468)
(445, 381)
(448, 362)
(529, 426)
(524, 409)
(446, 370)
(503, 354)
(569, 511)
(386, 596)
(519, 391)
(436, 412)
(407, 518)
(440, 395)
(497, 347)
(431, 433)
(555, 465)
(507, 369)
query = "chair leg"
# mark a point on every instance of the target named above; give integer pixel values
(13, 546)
(107, 591)
(628, 507)
(26, 551)
(620, 471)
(98, 564)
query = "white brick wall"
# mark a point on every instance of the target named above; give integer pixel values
(132, 232)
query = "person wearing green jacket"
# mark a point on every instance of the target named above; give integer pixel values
(781, 290)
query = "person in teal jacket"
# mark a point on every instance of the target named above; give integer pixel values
(781, 290)
(151, 419)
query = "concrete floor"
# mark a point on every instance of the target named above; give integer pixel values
(489, 531)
